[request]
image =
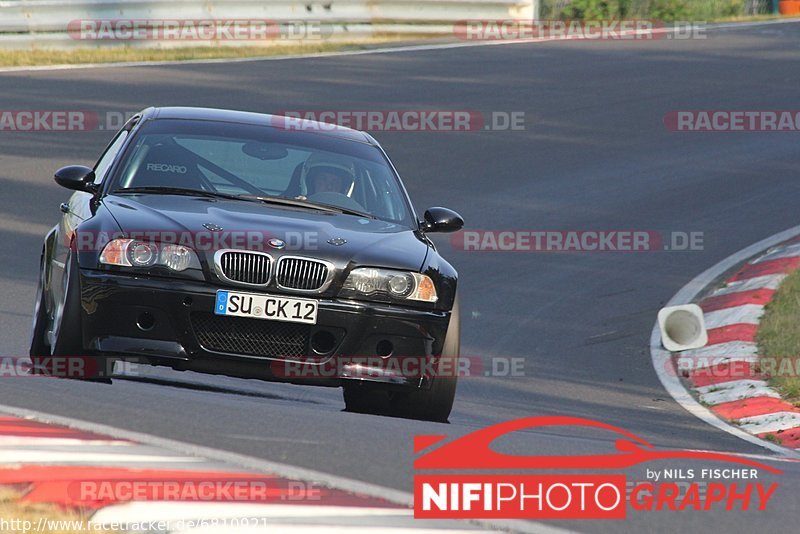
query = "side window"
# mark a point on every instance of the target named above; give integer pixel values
(108, 157)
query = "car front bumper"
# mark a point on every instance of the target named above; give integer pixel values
(170, 321)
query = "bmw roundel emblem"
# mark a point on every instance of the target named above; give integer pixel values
(276, 243)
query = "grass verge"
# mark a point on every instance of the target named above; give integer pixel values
(29, 515)
(124, 54)
(779, 339)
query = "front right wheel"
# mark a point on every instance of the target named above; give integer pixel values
(40, 345)
(64, 357)
(67, 335)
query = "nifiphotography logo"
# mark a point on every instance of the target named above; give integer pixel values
(493, 490)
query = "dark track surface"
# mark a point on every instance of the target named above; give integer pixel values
(595, 155)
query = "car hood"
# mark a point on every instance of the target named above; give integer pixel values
(220, 223)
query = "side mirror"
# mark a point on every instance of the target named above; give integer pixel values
(441, 220)
(76, 177)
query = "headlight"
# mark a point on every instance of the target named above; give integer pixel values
(368, 281)
(142, 254)
(178, 257)
(133, 253)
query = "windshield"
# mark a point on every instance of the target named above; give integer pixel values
(249, 161)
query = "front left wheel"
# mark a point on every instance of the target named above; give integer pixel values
(436, 402)
(432, 404)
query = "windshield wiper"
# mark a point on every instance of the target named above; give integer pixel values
(296, 202)
(283, 201)
(184, 191)
(348, 211)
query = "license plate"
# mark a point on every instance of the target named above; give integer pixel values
(269, 307)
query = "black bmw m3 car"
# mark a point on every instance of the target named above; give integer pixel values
(246, 245)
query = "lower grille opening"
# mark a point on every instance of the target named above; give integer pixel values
(250, 337)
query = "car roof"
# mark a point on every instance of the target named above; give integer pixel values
(257, 119)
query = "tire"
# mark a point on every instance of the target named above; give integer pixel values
(68, 357)
(40, 345)
(67, 336)
(432, 404)
(436, 402)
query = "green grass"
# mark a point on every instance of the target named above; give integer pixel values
(39, 57)
(664, 10)
(779, 338)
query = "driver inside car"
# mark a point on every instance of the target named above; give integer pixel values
(327, 179)
(327, 175)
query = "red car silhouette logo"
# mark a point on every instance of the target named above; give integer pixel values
(474, 451)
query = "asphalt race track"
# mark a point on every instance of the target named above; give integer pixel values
(594, 155)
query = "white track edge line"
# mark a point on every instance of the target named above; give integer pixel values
(282, 470)
(661, 357)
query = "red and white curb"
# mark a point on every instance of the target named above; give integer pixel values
(95, 473)
(725, 375)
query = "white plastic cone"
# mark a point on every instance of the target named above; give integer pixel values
(682, 327)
